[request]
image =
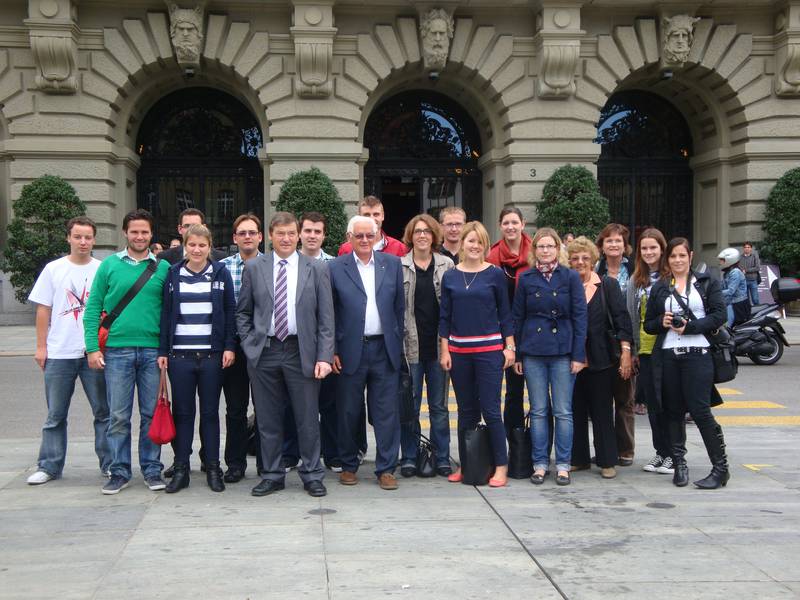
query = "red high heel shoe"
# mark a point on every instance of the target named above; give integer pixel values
(455, 477)
(497, 483)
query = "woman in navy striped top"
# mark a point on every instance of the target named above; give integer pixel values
(197, 342)
(476, 341)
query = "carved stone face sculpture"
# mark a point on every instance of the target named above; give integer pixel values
(436, 30)
(678, 37)
(185, 32)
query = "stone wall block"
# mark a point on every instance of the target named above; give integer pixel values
(736, 55)
(256, 49)
(276, 90)
(597, 73)
(314, 128)
(214, 31)
(480, 42)
(281, 170)
(3, 60)
(10, 84)
(522, 91)
(508, 75)
(756, 91)
(72, 170)
(458, 46)
(269, 70)
(355, 69)
(590, 93)
(94, 85)
(387, 38)
(78, 105)
(708, 210)
(497, 57)
(104, 66)
(409, 35)
(349, 91)
(134, 28)
(160, 31)
(335, 108)
(373, 56)
(702, 31)
(609, 54)
(121, 50)
(628, 41)
(752, 70)
(69, 125)
(579, 111)
(233, 42)
(18, 105)
(551, 129)
(648, 36)
(720, 41)
(775, 129)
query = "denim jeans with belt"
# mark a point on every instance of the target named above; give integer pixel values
(550, 383)
(431, 372)
(126, 369)
(60, 375)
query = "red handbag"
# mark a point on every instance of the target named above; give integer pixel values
(162, 426)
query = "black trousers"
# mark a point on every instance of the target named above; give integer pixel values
(646, 393)
(236, 386)
(593, 395)
(514, 411)
(687, 383)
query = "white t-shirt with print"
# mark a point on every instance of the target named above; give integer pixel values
(64, 287)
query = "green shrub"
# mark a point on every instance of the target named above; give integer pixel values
(313, 190)
(782, 223)
(572, 202)
(37, 232)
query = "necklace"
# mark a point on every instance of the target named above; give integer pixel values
(463, 274)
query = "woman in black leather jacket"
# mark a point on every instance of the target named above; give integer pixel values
(683, 371)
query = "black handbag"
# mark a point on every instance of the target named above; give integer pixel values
(475, 451)
(425, 461)
(611, 332)
(520, 459)
(405, 398)
(722, 347)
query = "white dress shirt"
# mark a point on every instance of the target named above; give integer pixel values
(372, 320)
(673, 339)
(291, 290)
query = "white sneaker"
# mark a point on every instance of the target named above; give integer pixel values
(654, 463)
(666, 467)
(39, 478)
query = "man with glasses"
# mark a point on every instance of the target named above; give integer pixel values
(369, 303)
(452, 219)
(190, 216)
(247, 236)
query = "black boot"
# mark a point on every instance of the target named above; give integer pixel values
(715, 445)
(214, 477)
(677, 444)
(180, 478)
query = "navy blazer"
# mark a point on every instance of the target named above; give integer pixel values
(350, 307)
(550, 316)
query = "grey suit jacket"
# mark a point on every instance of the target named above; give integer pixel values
(313, 310)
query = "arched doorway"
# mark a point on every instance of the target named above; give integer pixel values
(199, 149)
(424, 151)
(643, 167)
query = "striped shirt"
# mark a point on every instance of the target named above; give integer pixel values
(193, 330)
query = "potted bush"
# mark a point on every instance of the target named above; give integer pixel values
(572, 202)
(782, 227)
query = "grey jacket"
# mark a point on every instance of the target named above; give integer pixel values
(313, 310)
(440, 265)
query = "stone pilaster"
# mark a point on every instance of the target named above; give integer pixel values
(53, 32)
(787, 50)
(558, 46)
(313, 34)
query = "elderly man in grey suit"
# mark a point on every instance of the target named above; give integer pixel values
(285, 320)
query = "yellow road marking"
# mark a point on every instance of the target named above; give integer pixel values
(756, 468)
(750, 404)
(723, 391)
(758, 420)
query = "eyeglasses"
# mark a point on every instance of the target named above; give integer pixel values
(363, 236)
(247, 233)
(545, 247)
(422, 232)
(579, 259)
(453, 225)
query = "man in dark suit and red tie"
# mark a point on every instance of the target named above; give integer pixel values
(369, 304)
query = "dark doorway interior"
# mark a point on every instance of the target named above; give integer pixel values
(401, 203)
(643, 167)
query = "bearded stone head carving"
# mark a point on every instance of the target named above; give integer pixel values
(436, 29)
(678, 37)
(186, 31)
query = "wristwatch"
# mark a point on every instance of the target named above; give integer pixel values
(510, 347)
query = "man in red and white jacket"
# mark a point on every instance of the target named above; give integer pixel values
(372, 206)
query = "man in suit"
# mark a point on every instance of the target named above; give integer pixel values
(190, 216)
(284, 317)
(369, 302)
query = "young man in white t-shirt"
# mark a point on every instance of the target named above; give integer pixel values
(61, 292)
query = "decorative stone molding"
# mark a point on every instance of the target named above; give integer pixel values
(313, 34)
(186, 33)
(787, 51)
(53, 33)
(436, 29)
(677, 37)
(558, 45)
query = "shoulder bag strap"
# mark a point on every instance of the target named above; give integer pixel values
(130, 294)
(604, 302)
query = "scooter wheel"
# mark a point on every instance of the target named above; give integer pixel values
(770, 358)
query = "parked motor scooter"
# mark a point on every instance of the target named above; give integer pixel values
(762, 338)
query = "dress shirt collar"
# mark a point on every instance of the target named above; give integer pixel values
(370, 262)
(292, 259)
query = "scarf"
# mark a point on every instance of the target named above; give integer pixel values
(502, 256)
(546, 269)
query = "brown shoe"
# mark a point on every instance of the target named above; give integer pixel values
(608, 472)
(387, 481)
(348, 478)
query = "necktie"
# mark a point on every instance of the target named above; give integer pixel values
(281, 311)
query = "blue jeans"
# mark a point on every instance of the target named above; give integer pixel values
(550, 384)
(752, 291)
(59, 384)
(432, 373)
(126, 368)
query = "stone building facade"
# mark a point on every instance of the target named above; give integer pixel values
(79, 80)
